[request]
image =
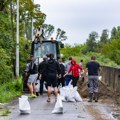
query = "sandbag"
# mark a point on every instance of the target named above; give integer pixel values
(70, 94)
(58, 109)
(44, 87)
(24, 105)
(63, 94)
(77, 97)
(99, 78)
(67, 93)
(37, 86)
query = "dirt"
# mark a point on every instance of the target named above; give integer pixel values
(107, 100)
(104, 91)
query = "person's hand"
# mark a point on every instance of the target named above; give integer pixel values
(64, 75)
(59, 76)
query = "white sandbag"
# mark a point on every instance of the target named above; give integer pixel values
(70, 95)
(100, 78)
(58, 109)
(24, 105)
(67, 93)
(37, 86)
(70, 99)
(77, 97)
(44, 87)
(63, 94)
(63, 99)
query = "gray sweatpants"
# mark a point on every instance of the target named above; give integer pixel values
(93, 84)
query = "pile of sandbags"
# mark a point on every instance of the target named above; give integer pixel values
(24, 105)
(70, 94)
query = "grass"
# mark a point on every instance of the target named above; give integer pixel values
(6, 112)
(10, 90)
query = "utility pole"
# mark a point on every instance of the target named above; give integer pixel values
(17, 41)
(32, 25)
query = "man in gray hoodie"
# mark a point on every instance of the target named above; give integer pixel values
(69, 76)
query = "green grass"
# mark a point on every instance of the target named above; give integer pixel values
(6, 112)
(10, 90)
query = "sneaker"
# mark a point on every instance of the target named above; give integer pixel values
(48, 100)
(32, 96)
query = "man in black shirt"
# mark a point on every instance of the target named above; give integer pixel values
(53, 69)
(93, 68)
(62, 79)
(42, 73)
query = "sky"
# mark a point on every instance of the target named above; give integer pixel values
(80, 17)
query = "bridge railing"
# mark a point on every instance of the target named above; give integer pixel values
(111, 77)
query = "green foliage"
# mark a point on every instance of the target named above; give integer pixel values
(61, 35)
(48, 30)
(115, 33)
(6, 112)
(91, 43)
(24, 53)
(5, 67)
(112, 50)
(75, 52)
(71, 51)
(10, 90)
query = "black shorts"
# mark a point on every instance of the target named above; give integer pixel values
(52, 80)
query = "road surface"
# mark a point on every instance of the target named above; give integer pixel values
(41, 110)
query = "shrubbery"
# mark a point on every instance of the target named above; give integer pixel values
(76, 52)
(10, 90)
(5, 67)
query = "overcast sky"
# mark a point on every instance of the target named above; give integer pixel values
(80, 17)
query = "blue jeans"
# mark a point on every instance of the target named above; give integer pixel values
(68, 79)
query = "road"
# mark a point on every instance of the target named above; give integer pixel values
(41, 110)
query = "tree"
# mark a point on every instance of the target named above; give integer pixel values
(48, 30)
(103, 40)
(61, 35)
(115, 33)
(112, 50)
(104, 36)
(91, 43)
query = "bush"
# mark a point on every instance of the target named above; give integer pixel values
(5, 68)
(10, 90)
(99, 57)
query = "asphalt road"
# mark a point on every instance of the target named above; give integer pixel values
(41, 110)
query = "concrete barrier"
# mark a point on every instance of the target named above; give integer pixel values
(111, 77)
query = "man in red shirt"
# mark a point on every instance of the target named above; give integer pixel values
(75, 72)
